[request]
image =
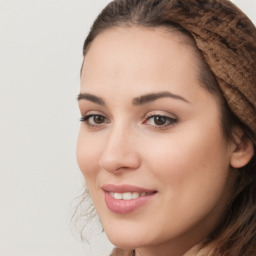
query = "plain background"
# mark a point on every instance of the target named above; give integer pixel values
(40, 57)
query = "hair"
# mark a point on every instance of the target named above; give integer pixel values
(225, 40)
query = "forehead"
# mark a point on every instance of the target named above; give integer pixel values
(129, 41)
(137, 55)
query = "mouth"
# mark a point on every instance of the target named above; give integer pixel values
(129, 195)
(124, 199)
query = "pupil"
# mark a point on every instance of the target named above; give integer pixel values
(160, 120)
(98, 119)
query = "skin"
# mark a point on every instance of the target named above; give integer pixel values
(186, 161)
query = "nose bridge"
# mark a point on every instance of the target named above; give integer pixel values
(119, 152)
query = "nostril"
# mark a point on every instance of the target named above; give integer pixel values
(119, 162)
(119, 152)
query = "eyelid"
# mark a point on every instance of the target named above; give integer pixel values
(93, 112)
(172, 119)
(160, 113)
(85, 119)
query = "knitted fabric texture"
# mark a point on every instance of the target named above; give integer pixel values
(227, 41)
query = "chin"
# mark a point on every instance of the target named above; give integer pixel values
(126, 245)
(126, 241)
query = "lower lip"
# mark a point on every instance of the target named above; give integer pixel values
(125, 206)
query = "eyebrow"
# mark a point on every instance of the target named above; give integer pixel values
(144, 99)
(147, 98)
(92, 98)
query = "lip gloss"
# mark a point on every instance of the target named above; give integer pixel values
(122, 206)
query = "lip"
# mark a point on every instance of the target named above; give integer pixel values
(126, 206)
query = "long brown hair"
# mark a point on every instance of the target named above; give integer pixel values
(225, 40)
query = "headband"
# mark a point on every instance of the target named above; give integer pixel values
(227, 39)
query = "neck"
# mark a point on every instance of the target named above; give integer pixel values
(176, 252)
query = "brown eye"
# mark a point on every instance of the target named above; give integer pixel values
(97, 119)
(94, 120)
(160, 120)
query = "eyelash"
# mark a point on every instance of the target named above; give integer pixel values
(86, 119)
(170, 120)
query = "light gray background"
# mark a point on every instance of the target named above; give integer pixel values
(40, 57)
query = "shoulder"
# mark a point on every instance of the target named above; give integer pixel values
(121, 252)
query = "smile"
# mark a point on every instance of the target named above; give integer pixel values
(128, 195)
(125, 199)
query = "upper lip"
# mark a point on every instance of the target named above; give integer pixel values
(125, 188)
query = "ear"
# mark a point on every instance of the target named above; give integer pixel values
(242, 149)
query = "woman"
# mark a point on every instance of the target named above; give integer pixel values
(168, 133)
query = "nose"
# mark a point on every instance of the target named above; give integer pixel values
(119, 153)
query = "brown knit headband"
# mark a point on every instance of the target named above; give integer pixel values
(227, 40)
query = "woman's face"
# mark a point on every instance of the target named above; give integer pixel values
(150, 146)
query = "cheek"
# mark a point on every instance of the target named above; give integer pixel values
(192, 174)
(87, 154)
(190, 164)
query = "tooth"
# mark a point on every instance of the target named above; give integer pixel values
(127, 196)
(135, 195)
(118, 196)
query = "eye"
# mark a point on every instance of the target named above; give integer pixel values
(94, 120)
(160, 121)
